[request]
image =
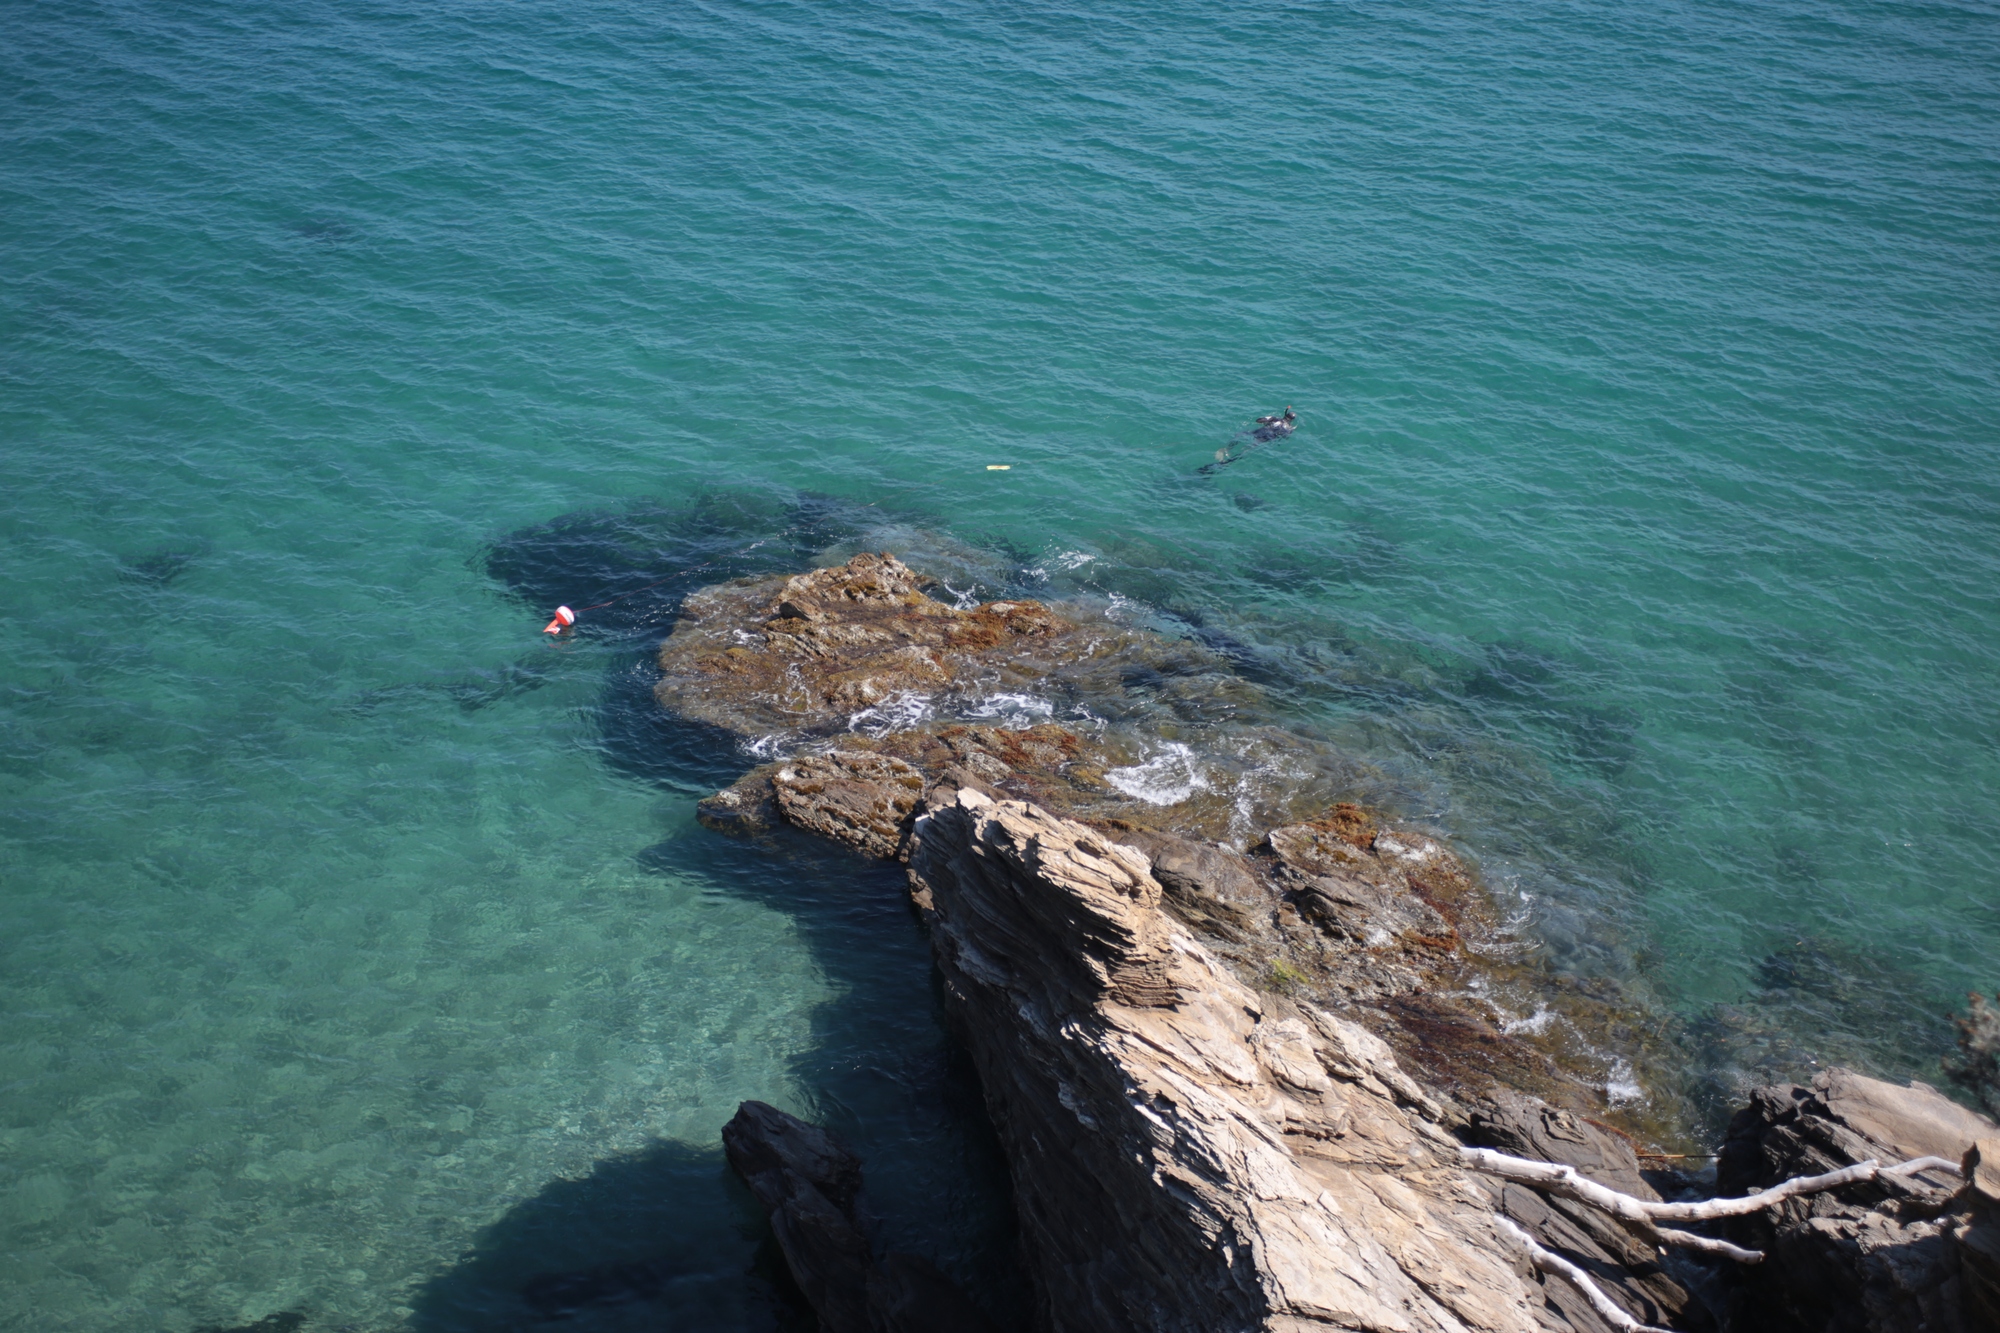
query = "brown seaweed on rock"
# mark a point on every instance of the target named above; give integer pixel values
(815, 653)
(1190, 967)
(1977, 1066)
(1243, 818)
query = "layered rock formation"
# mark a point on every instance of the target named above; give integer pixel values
(1189, 1154)
(1889, 1255)
(1202, 1135)
(860, 680)
(1195, 986)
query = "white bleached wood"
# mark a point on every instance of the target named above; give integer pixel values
(1549, 1262)
(1916, 1164)
(1687, 1240)
(1646, 1215)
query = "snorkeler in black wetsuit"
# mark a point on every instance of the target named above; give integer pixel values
(1267, 429)
(1276, 428)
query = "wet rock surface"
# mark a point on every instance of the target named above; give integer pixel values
(864, 800)
(810, 1184)
(810, 651)
(1886, 1256)
(1231, 1028)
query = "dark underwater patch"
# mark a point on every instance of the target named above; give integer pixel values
(560, 1295)
(626, 570)
(641, 561)
(666, 1227)
(1517, 674)
(490, 687)
(284, 1322)
(471, 692)
(1243, 656)
(159, 568)
(642, 740)
(1550, 692)
(1818, 1000)
(323, 231)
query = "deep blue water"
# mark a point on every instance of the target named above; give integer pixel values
(359, 953)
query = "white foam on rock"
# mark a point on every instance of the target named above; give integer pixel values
(1016, 712)
(898, 712)
(1533, 1025)
(1621, 1088)
(1168, 778)
(1420, 853)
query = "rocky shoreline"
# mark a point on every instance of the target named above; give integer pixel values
(1232, 1034)
(875, 690)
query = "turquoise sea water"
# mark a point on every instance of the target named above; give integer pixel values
(359, 954)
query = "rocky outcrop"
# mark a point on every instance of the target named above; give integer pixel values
(866, 661)
(1636, 1275)
(1365, 916)
(875, 692)
(816, 649)
(1227, 1024)
(810, 1184)
(1884, 1256)
(1189, 1154)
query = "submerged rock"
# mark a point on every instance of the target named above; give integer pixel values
(810, 1184)
(1977, 1066)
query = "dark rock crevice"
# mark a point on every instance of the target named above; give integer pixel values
(1883, 1256)
(809, 1183)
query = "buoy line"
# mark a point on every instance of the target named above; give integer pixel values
(565, 617)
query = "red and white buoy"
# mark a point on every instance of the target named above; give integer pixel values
(564, 619)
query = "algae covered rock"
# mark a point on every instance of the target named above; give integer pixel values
(814, 651)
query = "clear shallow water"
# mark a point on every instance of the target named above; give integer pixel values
(360, 953)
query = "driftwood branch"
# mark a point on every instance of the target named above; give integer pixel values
(1687, 1240)
(1645, 1216)
(1550, 1262)
(1917, 1164)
